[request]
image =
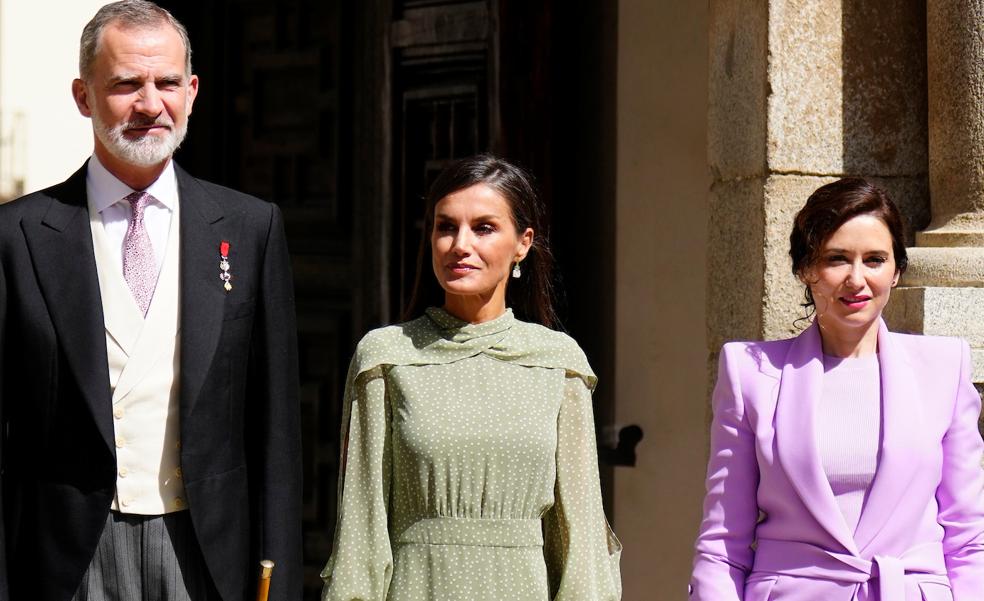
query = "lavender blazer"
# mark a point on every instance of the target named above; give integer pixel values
(772, 529)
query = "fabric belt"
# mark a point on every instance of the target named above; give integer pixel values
(478, 532)
(791, 558)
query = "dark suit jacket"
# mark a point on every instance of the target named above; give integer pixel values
(240, 449)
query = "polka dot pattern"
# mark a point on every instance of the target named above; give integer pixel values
(470, 468)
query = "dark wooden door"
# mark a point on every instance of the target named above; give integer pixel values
(441, 111)
(275, 118)
(343, 111)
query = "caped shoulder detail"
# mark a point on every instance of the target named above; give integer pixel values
(424, 341)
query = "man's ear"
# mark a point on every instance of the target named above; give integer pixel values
(192, 92)
(81, 95)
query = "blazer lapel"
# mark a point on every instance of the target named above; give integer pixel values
(202, 295)
(800, 388)
(65, 264)
(901, 440)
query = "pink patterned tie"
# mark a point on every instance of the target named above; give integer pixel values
(139, 265)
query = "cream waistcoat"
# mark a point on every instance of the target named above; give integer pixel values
(143, 371)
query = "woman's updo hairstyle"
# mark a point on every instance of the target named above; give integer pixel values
(532, 295)
(828, 208)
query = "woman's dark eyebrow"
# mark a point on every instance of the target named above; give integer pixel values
(842, 251)
(489, 217)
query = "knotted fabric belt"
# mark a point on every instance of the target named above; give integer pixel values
(478, 532)
(791, 558)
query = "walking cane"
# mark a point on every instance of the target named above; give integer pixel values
(263, 587)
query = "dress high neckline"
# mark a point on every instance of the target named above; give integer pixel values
(460, 330)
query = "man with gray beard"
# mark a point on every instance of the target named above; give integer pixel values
(149, 415)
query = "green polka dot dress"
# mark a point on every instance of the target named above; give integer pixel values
(470, 471)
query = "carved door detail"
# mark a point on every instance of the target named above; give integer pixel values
(441, 54)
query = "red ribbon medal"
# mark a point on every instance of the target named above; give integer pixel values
(225, 276)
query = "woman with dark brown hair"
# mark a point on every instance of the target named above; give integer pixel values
(845, 463)
(469, 465)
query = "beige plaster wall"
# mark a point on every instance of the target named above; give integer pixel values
(36, 73)
(661, 244)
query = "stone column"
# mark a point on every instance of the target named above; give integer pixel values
(943, 290)
(955, 78)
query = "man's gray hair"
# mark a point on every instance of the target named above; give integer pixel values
(128, 14)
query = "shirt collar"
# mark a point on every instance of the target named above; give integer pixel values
(105, 189)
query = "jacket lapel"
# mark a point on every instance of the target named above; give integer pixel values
(800, 388)
(901, 440)
(202, 296)
(61, 250)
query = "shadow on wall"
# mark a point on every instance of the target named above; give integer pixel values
(884, 102)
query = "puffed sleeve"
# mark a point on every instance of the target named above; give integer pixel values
(361, 562)
(581, 552)
(724, 554)
(961, 491)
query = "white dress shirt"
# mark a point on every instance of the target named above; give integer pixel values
(107, 193)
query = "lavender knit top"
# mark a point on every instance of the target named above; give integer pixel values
(849, 430)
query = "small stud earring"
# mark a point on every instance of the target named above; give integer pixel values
(517, 272)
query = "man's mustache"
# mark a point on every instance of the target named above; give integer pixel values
(144, 123)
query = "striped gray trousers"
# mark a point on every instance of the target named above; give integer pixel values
(147, 558)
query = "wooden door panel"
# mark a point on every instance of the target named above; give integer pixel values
(441, 54)
(269, 121)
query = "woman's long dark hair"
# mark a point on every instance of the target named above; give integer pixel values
(531, 296)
